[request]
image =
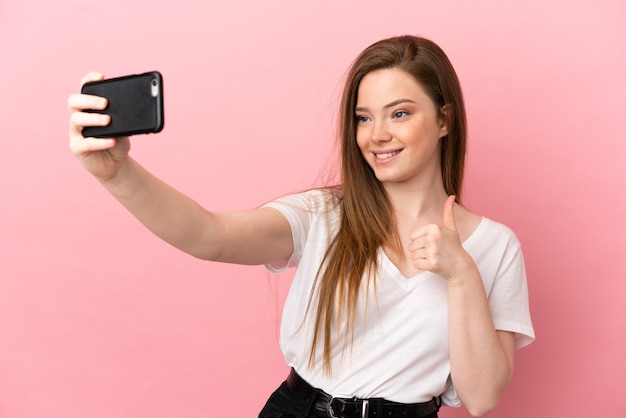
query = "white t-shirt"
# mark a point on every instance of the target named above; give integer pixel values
(400, 348)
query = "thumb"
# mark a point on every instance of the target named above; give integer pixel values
(448, 213)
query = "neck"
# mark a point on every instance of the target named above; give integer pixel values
(417, 201)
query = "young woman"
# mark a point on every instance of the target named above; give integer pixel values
(403, 300)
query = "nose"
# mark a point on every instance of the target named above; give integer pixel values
(380, 132)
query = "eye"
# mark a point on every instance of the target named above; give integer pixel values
(400, 114)
(362, 119)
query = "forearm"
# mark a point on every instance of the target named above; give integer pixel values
(480, 364)
(255, 236)
(169, 214)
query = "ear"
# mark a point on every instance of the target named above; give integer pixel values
(444, 114)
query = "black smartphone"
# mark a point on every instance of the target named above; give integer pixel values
(135, 105)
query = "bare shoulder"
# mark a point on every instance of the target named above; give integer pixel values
(466, 221)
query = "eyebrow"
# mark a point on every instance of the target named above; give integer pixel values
(388, 105)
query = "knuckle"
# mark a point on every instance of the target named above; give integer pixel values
(91, 76)
(76, 146)
(70, 101)
(76, 119)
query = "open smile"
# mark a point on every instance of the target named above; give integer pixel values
(382, 156)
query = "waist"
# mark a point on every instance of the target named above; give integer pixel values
(357, 407)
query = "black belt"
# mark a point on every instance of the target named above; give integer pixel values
(359, 408)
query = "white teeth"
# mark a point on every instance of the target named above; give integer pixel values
(387, 155)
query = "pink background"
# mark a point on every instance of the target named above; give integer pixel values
(98, 318)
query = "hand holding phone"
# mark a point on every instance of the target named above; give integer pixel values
(135, 105)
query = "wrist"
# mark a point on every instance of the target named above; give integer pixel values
(120, 182)
(466, 271)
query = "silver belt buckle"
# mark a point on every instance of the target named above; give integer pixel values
(331, 410)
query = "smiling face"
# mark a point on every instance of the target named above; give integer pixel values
(398, 128)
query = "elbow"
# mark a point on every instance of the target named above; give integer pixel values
(485, 397)
(481, 404)
(481, 409)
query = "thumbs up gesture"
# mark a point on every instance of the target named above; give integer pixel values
(438, 248)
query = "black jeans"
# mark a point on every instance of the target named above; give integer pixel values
(284, 403)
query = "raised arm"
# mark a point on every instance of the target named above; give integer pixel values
(481, 358)
(246, 237)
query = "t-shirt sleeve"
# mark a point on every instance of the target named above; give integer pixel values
(508, 297)
(295, 208)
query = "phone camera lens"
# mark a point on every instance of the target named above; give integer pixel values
(154, 88)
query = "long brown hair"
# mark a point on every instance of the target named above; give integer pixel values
(367, 219)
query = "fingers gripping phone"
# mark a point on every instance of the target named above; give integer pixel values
(135, 105)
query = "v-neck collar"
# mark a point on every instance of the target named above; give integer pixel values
(392, 271)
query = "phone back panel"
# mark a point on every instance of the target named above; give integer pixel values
(135, 105)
